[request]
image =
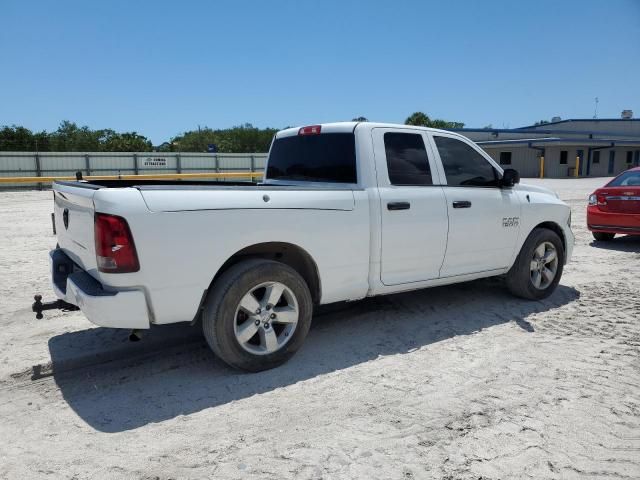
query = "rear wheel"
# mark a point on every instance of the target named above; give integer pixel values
(257, 315)
(603, 236)
(538, 267)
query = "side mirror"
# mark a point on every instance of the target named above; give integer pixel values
(509, 178)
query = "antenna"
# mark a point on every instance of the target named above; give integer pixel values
(595, 112)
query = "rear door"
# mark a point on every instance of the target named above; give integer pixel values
(484, 219)
(413, 208)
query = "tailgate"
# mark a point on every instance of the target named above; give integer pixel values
(73, 209)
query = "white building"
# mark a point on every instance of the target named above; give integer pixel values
(604, 147)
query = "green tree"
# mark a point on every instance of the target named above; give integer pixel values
(126, 142)
(418, 119)
(422, 120)
(16, 139)
(241, 139)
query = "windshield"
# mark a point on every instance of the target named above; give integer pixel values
(627, 179)
(328, 157)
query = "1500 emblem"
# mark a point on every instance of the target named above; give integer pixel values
(510, 221)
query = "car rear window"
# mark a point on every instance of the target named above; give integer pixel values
(328, 157)
(627, 179)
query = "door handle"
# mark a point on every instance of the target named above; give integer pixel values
(398, 206)
(462, 204)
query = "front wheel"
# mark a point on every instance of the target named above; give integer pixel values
(538, 267)
(603, 236)
(257, 315)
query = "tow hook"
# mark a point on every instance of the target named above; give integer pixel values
(38, 307)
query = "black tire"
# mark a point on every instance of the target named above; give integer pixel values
(603, 236)
(519, 280)
(219, 315)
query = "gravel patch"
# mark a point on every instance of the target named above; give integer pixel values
(457, 382)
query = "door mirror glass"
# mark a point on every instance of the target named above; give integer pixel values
(509, 178)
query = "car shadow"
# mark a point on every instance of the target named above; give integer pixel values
(627, 243)
(186, 378)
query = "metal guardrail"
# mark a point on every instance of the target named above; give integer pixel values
(159, 176)
(26, 170)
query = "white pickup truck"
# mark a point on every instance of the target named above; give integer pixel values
(345, 211)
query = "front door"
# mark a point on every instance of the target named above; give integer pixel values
(413, 209)
(484, 219)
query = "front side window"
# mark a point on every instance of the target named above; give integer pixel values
(463, 165)
(407, 160)
(327, 157)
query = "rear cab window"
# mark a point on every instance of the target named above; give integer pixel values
(407, 160)
(326, 157)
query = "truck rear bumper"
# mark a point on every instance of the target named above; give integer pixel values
(103, 306)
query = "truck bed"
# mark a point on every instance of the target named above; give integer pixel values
(96, 184)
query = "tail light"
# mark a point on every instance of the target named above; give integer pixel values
(598, 198)
(310, 130)
(115, 250)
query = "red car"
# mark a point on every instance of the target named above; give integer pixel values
(615, 208)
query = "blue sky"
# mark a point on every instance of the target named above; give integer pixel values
(160, 68)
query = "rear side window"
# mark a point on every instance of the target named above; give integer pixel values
(463, 166)
(407, 160)
(328, 157)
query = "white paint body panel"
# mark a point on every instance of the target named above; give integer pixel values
(184, 235)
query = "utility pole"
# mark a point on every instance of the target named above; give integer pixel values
(595, 113)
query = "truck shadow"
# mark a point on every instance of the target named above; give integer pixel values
(137, 390)
(628, 243)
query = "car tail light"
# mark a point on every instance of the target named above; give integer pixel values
(598, 198)
(115, 250)
(310, 130)
(602, 198)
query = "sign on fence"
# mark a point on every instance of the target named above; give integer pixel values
(155, 162)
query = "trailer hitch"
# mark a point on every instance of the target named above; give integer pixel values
(38, 306)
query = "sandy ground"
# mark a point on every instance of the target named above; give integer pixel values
(461, 382)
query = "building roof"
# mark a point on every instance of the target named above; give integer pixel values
(529, 142)
(536, 131)
(586, 131)
(582, 120)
